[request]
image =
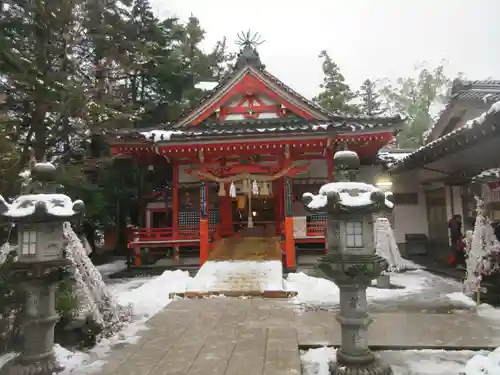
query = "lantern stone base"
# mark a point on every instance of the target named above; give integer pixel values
(44, 365)
(384, 282)
(374, 367)
(353, 273)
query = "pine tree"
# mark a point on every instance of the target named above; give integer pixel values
(336, 95)
(370, 105)
(39, 73)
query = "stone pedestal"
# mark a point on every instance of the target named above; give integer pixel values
(40, 316)
(353, 274)
(384, 282)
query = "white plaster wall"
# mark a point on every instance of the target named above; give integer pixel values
(409, 218)
(457, 201)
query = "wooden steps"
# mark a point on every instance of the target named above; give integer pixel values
(246, 248)
(237, 294)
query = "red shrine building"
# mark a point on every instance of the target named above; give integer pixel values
(240, 161)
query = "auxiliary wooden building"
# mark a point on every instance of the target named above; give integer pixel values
(464, 142)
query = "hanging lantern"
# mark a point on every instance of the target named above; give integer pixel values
(232, 190)
(244, 186)
(255, 188)
(265, 189)
(222, 191)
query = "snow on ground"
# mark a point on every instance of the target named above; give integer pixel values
(146, 295)
(313, 290)
(483, 310)
(110, 268)
(238, 276)
(415, 362)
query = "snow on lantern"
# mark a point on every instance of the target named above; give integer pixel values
(40, 218)
(351, 262)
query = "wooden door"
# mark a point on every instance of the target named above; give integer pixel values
(437, 219)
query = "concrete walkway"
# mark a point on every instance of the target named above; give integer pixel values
(263, 336)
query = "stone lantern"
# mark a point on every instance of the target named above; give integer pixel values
(39, 216)
(351, 261)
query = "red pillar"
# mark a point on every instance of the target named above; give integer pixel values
(175, 210)
(226, 212)
(204, 234)
(289, 240)
(278, 203)
(330, 165)
(175, 200)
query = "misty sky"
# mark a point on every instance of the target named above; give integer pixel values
(367, 38)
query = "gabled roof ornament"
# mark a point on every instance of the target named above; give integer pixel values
(248, 53)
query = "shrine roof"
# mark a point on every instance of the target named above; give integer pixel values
(249, 60)
(484, 91)
(272, 127)
(480, 129)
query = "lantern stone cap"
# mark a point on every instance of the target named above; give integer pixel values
(43, 172)
(349, 197)
(346, 160)
(41, 207)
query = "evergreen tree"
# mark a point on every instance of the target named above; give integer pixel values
(371, 104)
(336, 95)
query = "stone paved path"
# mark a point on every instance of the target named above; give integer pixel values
(262, 337)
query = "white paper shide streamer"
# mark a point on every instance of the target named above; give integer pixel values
(232, 190)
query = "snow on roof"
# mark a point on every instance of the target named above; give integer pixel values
(352, 195)
(482, 90)
(206, 85)
(160, 135)
(495, 108)
(55, 205)
(493, 173)
(392, 157)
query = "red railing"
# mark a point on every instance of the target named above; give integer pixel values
(166, 234)
(186, 233)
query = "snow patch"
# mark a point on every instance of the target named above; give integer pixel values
(417, 362)
(152, 296)
(316, 290)
(160, 135)
(238, 276)
(461, 298)
(107, 269)
(482, 364)
(206, 85)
